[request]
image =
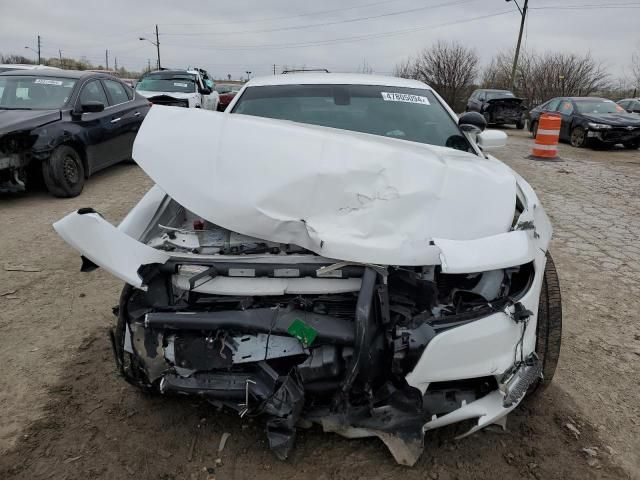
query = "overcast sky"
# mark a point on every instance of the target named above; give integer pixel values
(231, 37)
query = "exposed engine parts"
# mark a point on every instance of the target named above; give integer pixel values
(337, 359)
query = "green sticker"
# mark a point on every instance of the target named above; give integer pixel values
(302, 332)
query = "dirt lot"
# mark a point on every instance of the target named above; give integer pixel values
(67, 415)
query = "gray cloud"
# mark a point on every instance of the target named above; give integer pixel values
(233, 37)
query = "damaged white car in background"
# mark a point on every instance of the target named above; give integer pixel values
(333, 249)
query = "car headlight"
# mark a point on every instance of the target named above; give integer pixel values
(598, 126)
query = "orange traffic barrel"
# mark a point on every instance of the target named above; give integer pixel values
(547, 137)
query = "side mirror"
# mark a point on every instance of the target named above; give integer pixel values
(490, 139)
(92, 107)
(471, 122)
(205, 91)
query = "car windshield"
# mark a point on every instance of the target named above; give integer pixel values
(499, 94)
(34, 93)
(405, 113)
(598, 106)
(174, 83)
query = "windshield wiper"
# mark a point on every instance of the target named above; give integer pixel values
(15, 108)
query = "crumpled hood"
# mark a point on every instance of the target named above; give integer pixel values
(615, 119)
(15, 120)
(343, 195)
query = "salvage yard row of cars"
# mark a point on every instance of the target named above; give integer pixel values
(362, 263)
(63, 126)
(586, 121)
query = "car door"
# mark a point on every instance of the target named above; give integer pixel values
(125, 119)
(566, 110)
(95, 125)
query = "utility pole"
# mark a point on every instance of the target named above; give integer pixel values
(115, 63)
(148, 64)
(523, 14)
(106, 58)
(39, 57)
(274, 68)
(60, 56)
(158, 46)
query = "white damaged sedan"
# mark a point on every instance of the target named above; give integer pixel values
(333, 249)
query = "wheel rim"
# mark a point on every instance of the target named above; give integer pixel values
(577, 137)
(70, 170)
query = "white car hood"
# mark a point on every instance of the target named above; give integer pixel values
(342, 195)
(178, 95)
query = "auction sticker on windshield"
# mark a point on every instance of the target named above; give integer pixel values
(45, 81)
(404, 97)
(179, 84)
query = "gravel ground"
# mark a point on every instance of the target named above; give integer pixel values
(66, 414)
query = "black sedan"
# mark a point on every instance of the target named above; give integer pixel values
(591, 121)
(65, 125)
(498, 106)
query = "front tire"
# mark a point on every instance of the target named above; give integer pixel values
(63, 172)
(579, 137)
(549, 326)
(520, 125)
(632, 145)
(534, 129)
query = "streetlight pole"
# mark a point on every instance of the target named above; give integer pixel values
(248, 74)
(523, 15)
(155, 44)
(37, 51)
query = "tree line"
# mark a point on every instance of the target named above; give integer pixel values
(69, 64)
(454, 71)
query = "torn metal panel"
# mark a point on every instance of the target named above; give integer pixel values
(488, 253)
(340, 194)
(108, 247)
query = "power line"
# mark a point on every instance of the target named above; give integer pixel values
(345, 39)
(593, 6)
(335, 22)
(270, 19)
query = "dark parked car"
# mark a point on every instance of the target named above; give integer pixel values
(227, 92)
(66, 125)
(591, 121)
(631, 105)
(498, 107)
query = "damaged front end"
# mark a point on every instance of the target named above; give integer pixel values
(374, 303)
(273, 330)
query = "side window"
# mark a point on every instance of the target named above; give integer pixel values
(129, 91)
(624, 104)
(481, 96)
(635, 107)
(552, 106)
(566, 108)
(93, 92)
(116, 91)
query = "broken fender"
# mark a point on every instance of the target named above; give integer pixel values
(108, 247)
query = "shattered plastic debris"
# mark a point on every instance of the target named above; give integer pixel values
(223, 441)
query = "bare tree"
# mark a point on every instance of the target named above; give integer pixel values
(635, 69)
(540, 77)
(449, 67)
(365, 67)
